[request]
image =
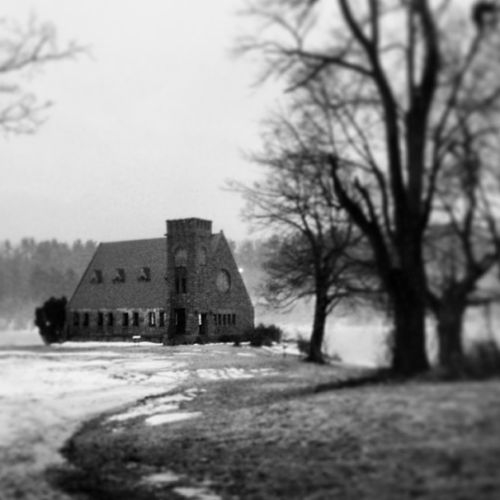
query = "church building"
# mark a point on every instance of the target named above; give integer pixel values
(183, 288)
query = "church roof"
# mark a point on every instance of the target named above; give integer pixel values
(128, 274)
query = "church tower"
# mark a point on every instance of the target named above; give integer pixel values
(188, 251)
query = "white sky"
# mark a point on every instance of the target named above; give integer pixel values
(146, 128)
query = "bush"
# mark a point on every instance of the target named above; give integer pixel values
(51, 320)
(264, 335)
(303, 345)
(483, 360)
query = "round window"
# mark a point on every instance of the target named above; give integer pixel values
(223, 281)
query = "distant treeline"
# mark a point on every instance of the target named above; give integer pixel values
(31, 272)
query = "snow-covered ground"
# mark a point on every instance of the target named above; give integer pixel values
(46, 392)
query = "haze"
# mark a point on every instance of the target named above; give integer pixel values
(147, 126)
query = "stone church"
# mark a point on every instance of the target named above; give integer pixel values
(183, 288)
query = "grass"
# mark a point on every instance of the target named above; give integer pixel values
(286, 437)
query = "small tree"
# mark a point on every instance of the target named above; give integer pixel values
(51, 320)
(318, 254)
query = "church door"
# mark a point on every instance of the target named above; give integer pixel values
(180, 321)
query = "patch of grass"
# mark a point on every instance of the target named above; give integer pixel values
(290, 436)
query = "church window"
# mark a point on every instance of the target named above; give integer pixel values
(96, 276)
(162, 318)
(202, 256)
(144, 274)
(100, 319)
(135, 319)
(180, 280)
(223, 281)
(152, 318)
(119, 276)
(76, 319)
(224, 319)
(180, 257)
(125, 319)
(110, 319)
(86, 319)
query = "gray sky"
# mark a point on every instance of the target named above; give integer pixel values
(146, 128)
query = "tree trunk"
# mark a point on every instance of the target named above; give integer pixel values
(449, 330)
(409, 349)
(316, 344)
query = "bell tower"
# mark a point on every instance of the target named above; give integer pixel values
(188, 250)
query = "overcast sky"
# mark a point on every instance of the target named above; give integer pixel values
(146, 128)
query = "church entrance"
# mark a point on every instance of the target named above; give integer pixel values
(180, 321)
(202, 323)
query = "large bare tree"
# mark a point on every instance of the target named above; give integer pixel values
(387, 90)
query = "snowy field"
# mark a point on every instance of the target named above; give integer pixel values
(46, 392)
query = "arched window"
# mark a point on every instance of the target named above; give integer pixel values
(202, 256)
(180, 257)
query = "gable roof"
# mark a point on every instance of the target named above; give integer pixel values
(138, 260)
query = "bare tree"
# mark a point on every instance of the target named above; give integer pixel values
(319, 253)
(465, 247)
(23, 51)
(376, 70)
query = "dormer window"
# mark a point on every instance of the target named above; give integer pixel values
(96, 276)
(145, 274)
(119, 276)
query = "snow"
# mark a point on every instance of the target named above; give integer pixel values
(167, 418)
(161, 478)
(46, 392)
(197, 493)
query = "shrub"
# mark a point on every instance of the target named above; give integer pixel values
(51, 320)
(303, 345)
(228, 338)
(482, 360)
(264, 335)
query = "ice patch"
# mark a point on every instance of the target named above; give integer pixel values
(197, 493)
(161, 478)
(154, 406)
(232, 373)
(167, 418)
